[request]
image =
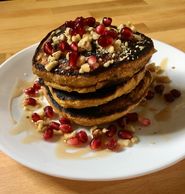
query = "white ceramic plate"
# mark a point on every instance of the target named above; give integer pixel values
(155, 151)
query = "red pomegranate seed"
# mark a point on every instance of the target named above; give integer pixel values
(35, 117)
(169, 97)
(112, 144)
(79, 21)
(30, 91)
(48, 49)
(126, 33)
(66, 128)
(48, 133)
(175, 93)
(74, 141)
(74, 46)
(90, 21)
(54, 125)
(48, 110)
(95, 143)
(131, 117)
(64, 46)
(121, 122)
(107, 21)
(82, 136)
(125, 134)
(64, 120)
(144, 121)
(73, 57)
(100, 29)
(36, 86)
(112, 129)
(92, 60)
(159, 89)
(70, 24)
(150, 95)
(111, 33)
(30, 101)
(105, 40)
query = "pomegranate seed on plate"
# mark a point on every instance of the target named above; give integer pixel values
(54, 125)
(48, 110)
(150, 95)
(112, 144)
(66, 128)
(131, 117)
(105, 40)
(159, 89)
(125, 134)
(70, 24)
(30, 91)
(79, 21)
(169, 97)
(144, 121)
(36, 86)
(95, 143)
(74, 46)
(48, 49)
(30, 101)
(126, 33)
(92, 60)
(74, 141)
(64, 46)
(64, 120)
(73, 56)
(121, 122)
(175, 93)
(82, 136)
(100, 29)
(111, 130)
(35, 117)
(48, 133)
(90, 21)
(111, 33)
(107, 21)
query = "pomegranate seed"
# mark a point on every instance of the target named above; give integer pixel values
(64, 46)
(144, 121)
(111, 131)
(107, 21)
(54, 125)
(100, 29)
(95, 143)
(92, 60)
(79, 21)
(82, 136)
(70, 24)
(64, 120)
(80, 30)
(90, 21)
(131, 117)
(30, 91)
(66, 128)
(74, 141)
(105, 40)
(74, 46)
(125, 134)
(126, 33)
(150, 95)
(48, 133)
(35, 117)
(175, 93)
(73, 57)
(48, 110)
(111, 33)
(112, 144)
(159, 89)
(169, 97)
(30, 101)
(48, 49)
(36, 86)
(121, 122)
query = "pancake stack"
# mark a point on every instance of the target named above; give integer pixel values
(93, 72)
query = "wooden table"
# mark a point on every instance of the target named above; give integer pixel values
(23, 23)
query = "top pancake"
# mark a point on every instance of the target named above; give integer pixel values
(121, 59)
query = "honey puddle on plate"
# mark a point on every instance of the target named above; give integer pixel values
(164, 114)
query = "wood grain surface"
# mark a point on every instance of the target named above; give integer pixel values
(25, 22)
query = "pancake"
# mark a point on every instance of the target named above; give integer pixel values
(107, 112)
(113, 61)
(101, 96)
